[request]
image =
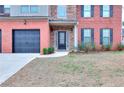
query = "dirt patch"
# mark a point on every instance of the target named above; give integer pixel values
(84, 70)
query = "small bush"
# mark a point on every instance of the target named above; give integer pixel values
(45, 51)
(120, 47)
(80, 47)
(49, 50)
(52, 49)
(106, 47)
(94, 47)
(87, 47)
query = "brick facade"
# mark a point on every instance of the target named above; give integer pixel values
(62, 28)
(52, 23)
(98, 22)
(71, 15)
(71, 12)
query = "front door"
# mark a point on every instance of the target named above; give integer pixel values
(61, 40)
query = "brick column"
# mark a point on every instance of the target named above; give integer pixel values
(75, 37)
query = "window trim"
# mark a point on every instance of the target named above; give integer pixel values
(24, 6)
(7, 7)
(106, 10)
(91, 11)
(92, 36)
(106, 36)
(87, 11)
(111, 35)
(65, 12)
(29, 9)
(34, 6)
(110, 11)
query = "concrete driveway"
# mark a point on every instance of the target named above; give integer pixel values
(11, 63)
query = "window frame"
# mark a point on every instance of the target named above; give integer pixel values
(65, 11)
(106, 36)
(7, 7)
(106, 10)
(28, 8)
(35, 7)
(85, 10)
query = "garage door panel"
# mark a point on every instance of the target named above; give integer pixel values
(26, 41)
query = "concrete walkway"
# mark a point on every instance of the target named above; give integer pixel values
(56, 54)
(11, 63)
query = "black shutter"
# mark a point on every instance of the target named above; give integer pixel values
(1, 8)
(101, 36)
(101, 10)
(82, 37)
(82, 10)
(92, 36)
(92, 10)
(111, 10)
(111, 36)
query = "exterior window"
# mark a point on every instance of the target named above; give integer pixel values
(6, 8)
(25, 9)
(61, 11)
(87, 11)
(106, 10)
(122, 34)
(34, 9)
(106, 36)
(87, 36)
(122, 23)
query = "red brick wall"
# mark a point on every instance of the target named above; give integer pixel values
(98, 22)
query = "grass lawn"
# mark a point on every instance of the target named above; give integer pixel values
(85, 70)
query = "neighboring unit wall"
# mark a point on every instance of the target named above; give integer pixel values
(15, 10)
(70, 11)
(7, 26)
(98, 22)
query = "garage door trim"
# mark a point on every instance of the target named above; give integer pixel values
(14, 42)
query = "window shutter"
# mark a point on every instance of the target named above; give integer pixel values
(111, 36)
(67, 40)
(82, 10)
(55, 39)
(92, 36)
(82, 37)
(111, 10)
(101, 11)
(101, 36)
(1, 8)
(92, 10)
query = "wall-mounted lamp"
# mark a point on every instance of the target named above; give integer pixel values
(25, 22)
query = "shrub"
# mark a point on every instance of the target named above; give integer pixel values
(80, 47)
(52, 49)
(93, 47)
(45, 51)
(106, 47)
(87, 47)
(120, 47)
(49, 50)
